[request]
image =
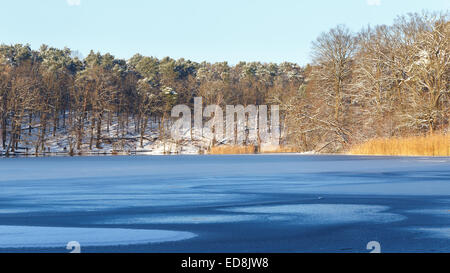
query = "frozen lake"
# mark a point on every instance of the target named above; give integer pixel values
(248, 203)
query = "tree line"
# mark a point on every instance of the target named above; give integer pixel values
(382, 81)
(49, 90)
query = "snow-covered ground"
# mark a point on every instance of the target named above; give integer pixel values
(114, 140)
(248, 203)
(54, 237)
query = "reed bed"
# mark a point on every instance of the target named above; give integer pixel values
(278, 150)
(430, 145)
(230, 150)
(250, 149)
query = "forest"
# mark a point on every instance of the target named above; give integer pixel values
(381, 82)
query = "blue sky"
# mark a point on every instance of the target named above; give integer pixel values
(228, 30)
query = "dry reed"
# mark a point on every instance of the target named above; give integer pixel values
(250, 149)
(228, 150)
(430, 145)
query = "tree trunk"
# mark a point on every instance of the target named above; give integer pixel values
(99, 131)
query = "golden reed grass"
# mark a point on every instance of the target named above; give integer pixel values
(430, 145)
(230, 150)
(250, 149)
(278, 150)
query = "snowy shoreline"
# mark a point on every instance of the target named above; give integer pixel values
(143, 153)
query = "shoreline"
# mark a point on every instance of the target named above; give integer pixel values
(149, 154)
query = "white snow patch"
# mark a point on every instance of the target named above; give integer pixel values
(184, 219)
(437, 212)
(312, 214)
(53, 237)
(197, 219)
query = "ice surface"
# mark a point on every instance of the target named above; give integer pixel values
(183, 219)
(251, 202)
(437, 212)
(52, 237)
(320, 214)
(442, 233)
